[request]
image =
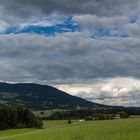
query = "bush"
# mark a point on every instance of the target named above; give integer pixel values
(69, 121)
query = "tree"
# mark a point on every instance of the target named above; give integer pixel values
(18, 117)
(123, 114)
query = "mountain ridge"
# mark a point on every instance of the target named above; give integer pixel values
(41, 96)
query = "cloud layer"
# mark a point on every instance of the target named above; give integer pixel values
(86, 47)
(98, 7)
(68, 56)
(110, 91)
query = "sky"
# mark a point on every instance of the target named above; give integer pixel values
(88, 48)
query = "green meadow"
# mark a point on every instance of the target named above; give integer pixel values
(128, 129)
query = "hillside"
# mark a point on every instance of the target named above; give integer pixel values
(40, 96)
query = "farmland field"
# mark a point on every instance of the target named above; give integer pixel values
(128, 129)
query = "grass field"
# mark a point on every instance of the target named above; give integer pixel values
(128, 129)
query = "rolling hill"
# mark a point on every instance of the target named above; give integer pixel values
(40, 96)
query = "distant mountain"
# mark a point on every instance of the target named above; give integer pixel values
(40, 96)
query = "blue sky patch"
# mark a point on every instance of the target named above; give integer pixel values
(133, 19)
(67, 25)
(103, 32)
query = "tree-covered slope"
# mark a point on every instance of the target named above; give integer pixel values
(40, 96)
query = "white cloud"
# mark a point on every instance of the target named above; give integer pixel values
(110, 91)
(117, 25)
(3, 26)
(93, 21)
(49, 20)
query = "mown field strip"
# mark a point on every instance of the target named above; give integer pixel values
(95, 130)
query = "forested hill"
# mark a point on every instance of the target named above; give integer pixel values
(40, 96)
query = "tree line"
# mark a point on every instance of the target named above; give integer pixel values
(87, 114)
(18, 117)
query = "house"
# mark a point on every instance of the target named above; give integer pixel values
(82, 120)
(81, 108)
(113, 116)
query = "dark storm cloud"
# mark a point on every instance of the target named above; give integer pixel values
(25, 8)
(71, 57)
